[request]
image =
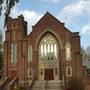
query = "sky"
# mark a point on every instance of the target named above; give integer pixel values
(74, 13)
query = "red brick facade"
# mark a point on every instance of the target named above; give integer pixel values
(17, 33)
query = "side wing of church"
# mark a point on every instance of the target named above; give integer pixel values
(50, 52)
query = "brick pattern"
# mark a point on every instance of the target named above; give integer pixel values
(47, 24)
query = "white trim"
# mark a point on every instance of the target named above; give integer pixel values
(30, 71)
(69, 69)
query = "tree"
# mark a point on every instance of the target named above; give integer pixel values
(1, 54)
(8, 5)
(88, 53)
(84, 54)
(88, 49)
(1, 65)
(1, 60)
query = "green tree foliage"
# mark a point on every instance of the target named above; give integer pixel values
(9, 4)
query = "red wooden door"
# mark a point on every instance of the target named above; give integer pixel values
(48, 74)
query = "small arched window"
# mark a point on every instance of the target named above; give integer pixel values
(68, 71)
(13, 25)
(30, 72)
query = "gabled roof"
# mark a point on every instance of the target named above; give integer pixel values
(48, 15)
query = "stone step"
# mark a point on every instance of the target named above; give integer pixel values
(54, 89)
(46, 89)
(37, 89)
(39, 84)
(47, 85)
(54, 84)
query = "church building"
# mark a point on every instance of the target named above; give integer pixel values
(50, 52)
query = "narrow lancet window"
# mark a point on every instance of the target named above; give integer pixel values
(68, 51)
(30, 53)
(13, 53)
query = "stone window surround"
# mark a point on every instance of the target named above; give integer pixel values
(30, 72)
(68, 71)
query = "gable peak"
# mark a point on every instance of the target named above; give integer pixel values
(49, 14)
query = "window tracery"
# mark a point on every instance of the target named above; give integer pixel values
(48, 48)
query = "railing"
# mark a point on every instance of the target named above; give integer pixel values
(4, 84)
(28, 85)
(14, 83)
(7, 84)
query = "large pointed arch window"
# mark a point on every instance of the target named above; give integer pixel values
(48, 48)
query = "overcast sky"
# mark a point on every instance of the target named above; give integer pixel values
(74, 13)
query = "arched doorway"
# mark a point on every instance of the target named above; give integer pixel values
(48, 58)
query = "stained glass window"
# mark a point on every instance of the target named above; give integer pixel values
(48, 48)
